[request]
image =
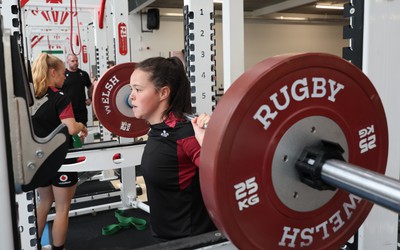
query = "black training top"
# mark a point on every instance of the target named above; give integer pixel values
(50, 110)
(170, 168)
(74, 88)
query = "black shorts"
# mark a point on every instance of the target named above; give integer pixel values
(64, 179)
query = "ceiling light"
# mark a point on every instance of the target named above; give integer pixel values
(332, 7)
(217, 1)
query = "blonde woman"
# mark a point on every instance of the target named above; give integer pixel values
(48, 76)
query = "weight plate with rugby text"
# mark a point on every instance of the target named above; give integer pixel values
(258, 131)
(111, 102)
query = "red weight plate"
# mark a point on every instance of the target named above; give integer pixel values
(257, 131)
(110, 103)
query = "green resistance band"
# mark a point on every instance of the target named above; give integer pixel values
(124, 222)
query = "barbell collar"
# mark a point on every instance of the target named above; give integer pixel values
(372, 186)
(309, 165)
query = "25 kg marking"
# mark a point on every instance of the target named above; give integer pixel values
(245, 194)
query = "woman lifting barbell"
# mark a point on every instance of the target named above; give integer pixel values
(161, 95)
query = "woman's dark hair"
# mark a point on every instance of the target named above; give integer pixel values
(170, 72)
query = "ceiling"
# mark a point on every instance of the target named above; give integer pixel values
(301, 6)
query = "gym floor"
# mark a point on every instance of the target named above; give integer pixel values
(85, 231)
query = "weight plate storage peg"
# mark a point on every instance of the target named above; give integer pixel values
(258, 131)
(111, 102)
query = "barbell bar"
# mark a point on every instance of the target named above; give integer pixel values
(322, 167)
(377, 188)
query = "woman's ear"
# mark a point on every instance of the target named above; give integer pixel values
(165, 92)
(52, 72)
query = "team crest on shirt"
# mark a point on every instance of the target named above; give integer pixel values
(164, 134)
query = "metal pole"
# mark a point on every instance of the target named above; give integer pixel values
(8, 230)
(372, 186)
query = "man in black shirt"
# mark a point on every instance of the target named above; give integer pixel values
(74, 87)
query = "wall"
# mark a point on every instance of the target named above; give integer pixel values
(262, 39)
(157, 43)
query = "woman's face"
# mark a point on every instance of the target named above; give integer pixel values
(145, 98)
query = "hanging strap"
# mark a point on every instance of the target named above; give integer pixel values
(124, 222)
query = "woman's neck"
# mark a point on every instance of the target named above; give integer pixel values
(156, 119)
(158, 115)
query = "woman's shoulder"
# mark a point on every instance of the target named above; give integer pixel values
(55, 92)
(185, 128)
(57, 95)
